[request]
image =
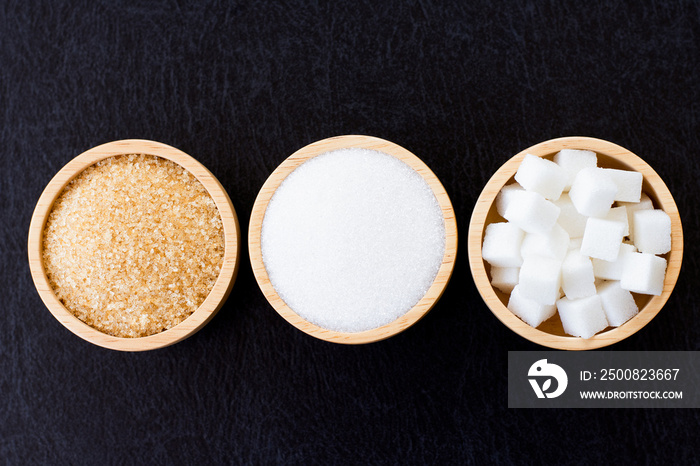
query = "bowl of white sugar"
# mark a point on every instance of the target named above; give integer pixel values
(575, 243)
(352, 239)
(134, 245)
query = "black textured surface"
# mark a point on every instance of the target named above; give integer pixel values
(240, 86)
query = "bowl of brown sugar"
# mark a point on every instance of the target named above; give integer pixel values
(134, 245)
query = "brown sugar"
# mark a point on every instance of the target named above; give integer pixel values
(133, 245)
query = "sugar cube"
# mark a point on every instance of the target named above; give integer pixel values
(503, 197)
(619, 214)
(575, 243)
(540, 279)
(501, 247)
(582, 317)
(618, 304)
(569, 218)
(541, 176)
(531, 212)
(629, 184)
(593, 192)
(602, 238)
(644, 204)
(553, 244)
(652, 231)
(573, 161)
(612, 270)
(577, 279)
(504, 278)
(643, 273)
(531, 312)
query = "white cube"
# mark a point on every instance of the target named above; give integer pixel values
(644, 204)
(602, 238)
(501, 247)
(505, 278)
(531, 312)
(612, 270)
(531, 212)
(652, 231)
(541, 176)
(582, 317)
(575, 243)
(619, 214)
(618, 304)
(553, 244)
(569, 218)
(504, 195)
(593, 192)
(573, 161)
(643, 273)
(577, 279)
(540, 279)
(629, 184)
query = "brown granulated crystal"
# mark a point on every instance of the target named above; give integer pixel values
(133, 245)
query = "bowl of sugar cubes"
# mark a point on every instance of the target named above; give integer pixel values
(575, 243)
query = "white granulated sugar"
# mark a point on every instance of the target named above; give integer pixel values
(352, 239)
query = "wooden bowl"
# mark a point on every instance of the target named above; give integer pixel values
(222, 286)
(412, 315)
(551, 333)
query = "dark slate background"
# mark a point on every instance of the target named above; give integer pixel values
(240, 86)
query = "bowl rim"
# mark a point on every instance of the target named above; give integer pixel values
(224, 282)
(314, 149)
(478, 223)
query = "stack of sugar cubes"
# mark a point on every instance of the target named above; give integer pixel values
(579, 239)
